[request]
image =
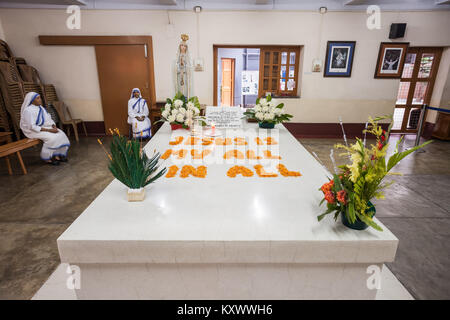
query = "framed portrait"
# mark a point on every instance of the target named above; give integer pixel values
(390, 60)
(339, 58)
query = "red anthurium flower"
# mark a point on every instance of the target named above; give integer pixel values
(329, 196)
(327, 186)
(341, 196)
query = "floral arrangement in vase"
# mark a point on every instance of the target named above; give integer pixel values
(268, 112)
(350, 191)
(130, 165)
(180, 111)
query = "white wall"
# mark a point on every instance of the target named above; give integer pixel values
(441, 90)
(2, 33)
(73, 69)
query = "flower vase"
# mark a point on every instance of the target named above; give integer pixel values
(134, 195)
(358, 224)
(266, 125)
(176, 126)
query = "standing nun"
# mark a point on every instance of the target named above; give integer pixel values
(138, 115)
(37, 123)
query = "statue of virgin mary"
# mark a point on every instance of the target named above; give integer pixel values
(183, 69)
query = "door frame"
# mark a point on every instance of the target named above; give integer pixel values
(250, 46)
(413, 80)
(57, 40)
(233, 80)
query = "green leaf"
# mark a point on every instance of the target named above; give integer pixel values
(397, 157)
(130, 166)
(320, 217)
(369, 221)
(321, 201)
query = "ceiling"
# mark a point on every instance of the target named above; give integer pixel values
(332, 5)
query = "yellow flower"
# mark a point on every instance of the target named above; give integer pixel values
(354, 167)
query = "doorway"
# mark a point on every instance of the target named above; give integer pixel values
(227, 85)
(134, 61)
(236, 75)
(120, 69)
(416, 87)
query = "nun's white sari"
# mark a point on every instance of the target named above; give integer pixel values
(137, 107)
(33, 119)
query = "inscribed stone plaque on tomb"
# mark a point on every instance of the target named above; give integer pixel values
(224, 117)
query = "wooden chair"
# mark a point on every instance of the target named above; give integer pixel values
(63, 110)
(15, 147)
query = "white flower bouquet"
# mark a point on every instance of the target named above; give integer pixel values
(268, 112)
(180, 111)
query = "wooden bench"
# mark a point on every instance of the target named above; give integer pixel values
(15, 147)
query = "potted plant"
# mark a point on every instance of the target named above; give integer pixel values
(351, 190)
(180, 111)
(267, 112)
(130, 165)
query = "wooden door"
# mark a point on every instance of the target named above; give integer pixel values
(120, 69)
(416, 87)
(227, 96)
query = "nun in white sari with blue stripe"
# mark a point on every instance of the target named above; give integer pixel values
(37, 123)
(138, 115)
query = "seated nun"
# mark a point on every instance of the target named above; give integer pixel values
(37, 123)
(138, 115)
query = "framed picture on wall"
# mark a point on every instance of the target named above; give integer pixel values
(339, 58)
(390, 60)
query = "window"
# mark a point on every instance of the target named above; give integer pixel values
(279, 74)
(257, 70)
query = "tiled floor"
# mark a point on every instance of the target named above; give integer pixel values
(35, 209)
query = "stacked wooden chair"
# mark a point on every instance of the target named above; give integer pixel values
(16, 80)
(5, 51)
(63, 111)
(12, 93)
(4, 118)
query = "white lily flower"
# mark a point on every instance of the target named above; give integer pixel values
(180, 117)
(178, 103)
(190, 105)
(259, 116)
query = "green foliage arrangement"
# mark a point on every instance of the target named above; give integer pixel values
(180, 110)
(129, 163)
(267, 110)
(350, 191)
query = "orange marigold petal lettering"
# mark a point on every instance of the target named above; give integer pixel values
(268, 155)
(166, 154)
(286, 173)
(178, 140)
(262, 173)
(251, 154)
(172, 172)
